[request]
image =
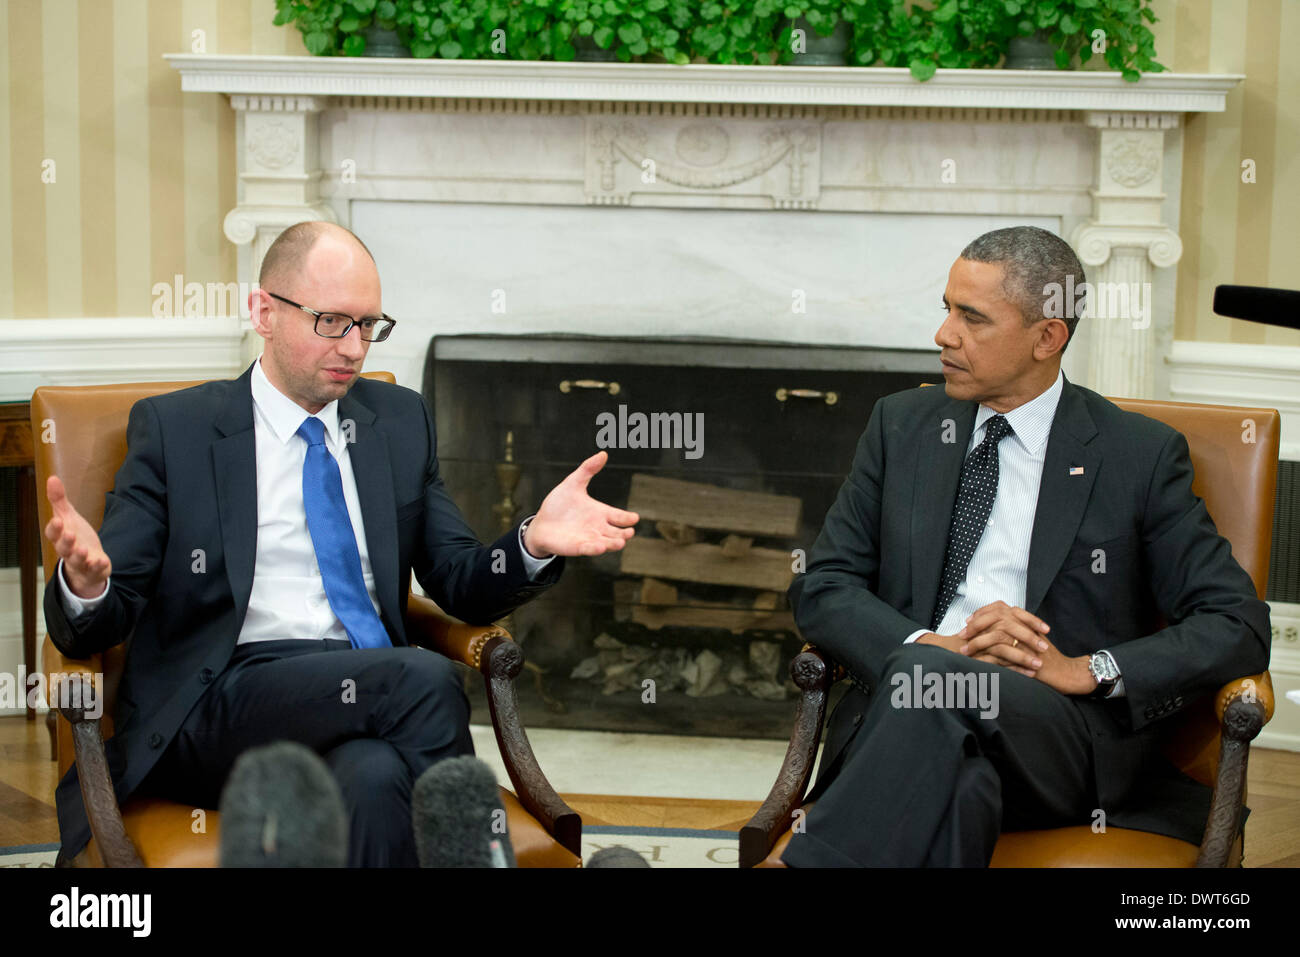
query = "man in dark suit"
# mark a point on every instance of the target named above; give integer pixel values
(261, 535)
(996, 576)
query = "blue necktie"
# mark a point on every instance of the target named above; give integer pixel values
(335, 543)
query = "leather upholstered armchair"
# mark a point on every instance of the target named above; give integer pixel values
(91, 423)
(1210, 742)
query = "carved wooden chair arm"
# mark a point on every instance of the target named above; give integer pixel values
(813, 672)
(81, 702)
(490, 650)
(1243, 708)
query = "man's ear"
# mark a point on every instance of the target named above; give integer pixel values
(1053, 334)
(260, 305)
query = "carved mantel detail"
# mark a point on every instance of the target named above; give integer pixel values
(666, 155)
(1083, 148)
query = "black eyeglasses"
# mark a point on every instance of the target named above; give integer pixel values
(336, 325)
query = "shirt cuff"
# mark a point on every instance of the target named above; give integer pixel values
(73, 606)
(915, 635)
(1118, 690)
(532, 565)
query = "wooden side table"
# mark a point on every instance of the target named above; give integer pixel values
(16, 450)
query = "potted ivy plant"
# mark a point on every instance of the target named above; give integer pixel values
(338, 28)
(1074, 30)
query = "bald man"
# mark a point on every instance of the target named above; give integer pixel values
(312, 495)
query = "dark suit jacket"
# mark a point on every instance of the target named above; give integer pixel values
(873, 579)
(189, 482)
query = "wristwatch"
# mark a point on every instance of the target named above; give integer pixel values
(1103, 668)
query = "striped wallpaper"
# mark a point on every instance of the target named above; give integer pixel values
(144, 174)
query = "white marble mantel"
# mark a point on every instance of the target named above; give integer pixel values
(400, 147)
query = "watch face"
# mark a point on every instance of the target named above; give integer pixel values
(1103, 668)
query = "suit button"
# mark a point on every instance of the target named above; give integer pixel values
(1178, 702)
(205, 676)
(155, 740)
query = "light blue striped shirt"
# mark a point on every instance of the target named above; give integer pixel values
(999, 569)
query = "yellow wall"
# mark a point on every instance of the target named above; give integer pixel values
(144, 174)
(1234, 232)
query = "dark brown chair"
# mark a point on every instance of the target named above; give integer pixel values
(91, 430)
(1209, 742)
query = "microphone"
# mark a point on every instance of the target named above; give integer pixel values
(281, 807)
(1275, 307)
(616, 857)
(457, 816)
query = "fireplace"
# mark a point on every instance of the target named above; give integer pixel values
(731, 451)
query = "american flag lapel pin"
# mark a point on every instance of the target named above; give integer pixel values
(1076, 469)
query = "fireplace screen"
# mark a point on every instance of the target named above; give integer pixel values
(731, 453)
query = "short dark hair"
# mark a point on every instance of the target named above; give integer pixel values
(287, 253)
(1033, 260)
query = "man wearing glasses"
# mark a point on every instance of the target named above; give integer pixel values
(258, 547)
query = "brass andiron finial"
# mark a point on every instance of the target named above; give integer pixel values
(507, 479)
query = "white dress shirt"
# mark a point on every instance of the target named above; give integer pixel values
(288, 597)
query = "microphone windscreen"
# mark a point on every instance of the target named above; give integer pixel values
(617, 857)
(1277, 307)
(281, 807)
(458, 818)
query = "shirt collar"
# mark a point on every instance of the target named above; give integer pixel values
(1031, 422)
(286, 416)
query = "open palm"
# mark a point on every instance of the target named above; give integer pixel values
(571, 522)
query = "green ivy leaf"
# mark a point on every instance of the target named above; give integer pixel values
(1069, 25)
(354, 45)
(349, 25)
(317, 42)
(449, 50)
(630, 33)
(922, 69)
(603, 36)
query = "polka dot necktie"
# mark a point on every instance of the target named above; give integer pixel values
(970, 513)
(336, 543)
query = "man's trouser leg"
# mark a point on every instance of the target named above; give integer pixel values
(924, 785)
(335, 700)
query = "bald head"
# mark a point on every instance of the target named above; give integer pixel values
(287, 257)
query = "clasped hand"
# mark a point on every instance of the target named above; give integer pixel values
(1013, 638)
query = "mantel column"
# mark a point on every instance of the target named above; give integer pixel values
(1121, 245)
(279, 173)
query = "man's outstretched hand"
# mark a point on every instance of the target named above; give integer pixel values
(85, 564)
(571, 522)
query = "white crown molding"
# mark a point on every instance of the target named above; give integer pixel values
(120, 349)
(1234, 373)
(700, 83)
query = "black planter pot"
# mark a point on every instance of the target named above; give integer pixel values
(1030, 53)
(823, 51)
(588, 50)
(381, 42)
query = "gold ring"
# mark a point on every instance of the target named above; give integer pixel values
(1014, 642)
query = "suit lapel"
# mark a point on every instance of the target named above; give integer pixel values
(938, 470)
(1062, 496)
(371, 468)
(234, 465)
